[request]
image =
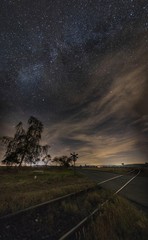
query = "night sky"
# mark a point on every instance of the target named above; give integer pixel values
(79, 66)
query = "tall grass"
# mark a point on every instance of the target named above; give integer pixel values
(119, 220)
(20, 189)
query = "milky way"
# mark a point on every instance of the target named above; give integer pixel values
(80, 66)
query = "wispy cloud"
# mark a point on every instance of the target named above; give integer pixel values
(103, 130)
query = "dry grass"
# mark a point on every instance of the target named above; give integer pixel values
(120, 220)
(27, 187)
(82, 205)
(70, 208)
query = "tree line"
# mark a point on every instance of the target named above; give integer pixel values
(25, 147)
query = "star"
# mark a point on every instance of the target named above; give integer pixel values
(80, 67)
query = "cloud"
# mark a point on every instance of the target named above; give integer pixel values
(102, 128)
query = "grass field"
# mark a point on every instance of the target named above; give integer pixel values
(28, 186)
(119, 220)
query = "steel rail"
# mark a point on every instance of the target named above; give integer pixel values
(75, 228)
(56, 199)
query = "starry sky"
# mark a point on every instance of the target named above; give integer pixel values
(79, 66)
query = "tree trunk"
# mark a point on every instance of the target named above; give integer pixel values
(22, 160)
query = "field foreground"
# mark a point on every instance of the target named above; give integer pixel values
(28, 186)
(118, 219)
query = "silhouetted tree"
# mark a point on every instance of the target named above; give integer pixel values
(63, 161)
(31, 149)
(46, 156)
(11, 159)
(25, 147)
(46, 159)
(14, 146)
(74, 157)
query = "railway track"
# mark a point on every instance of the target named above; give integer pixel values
(31, 220)
(84, 221)
(58, 199)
